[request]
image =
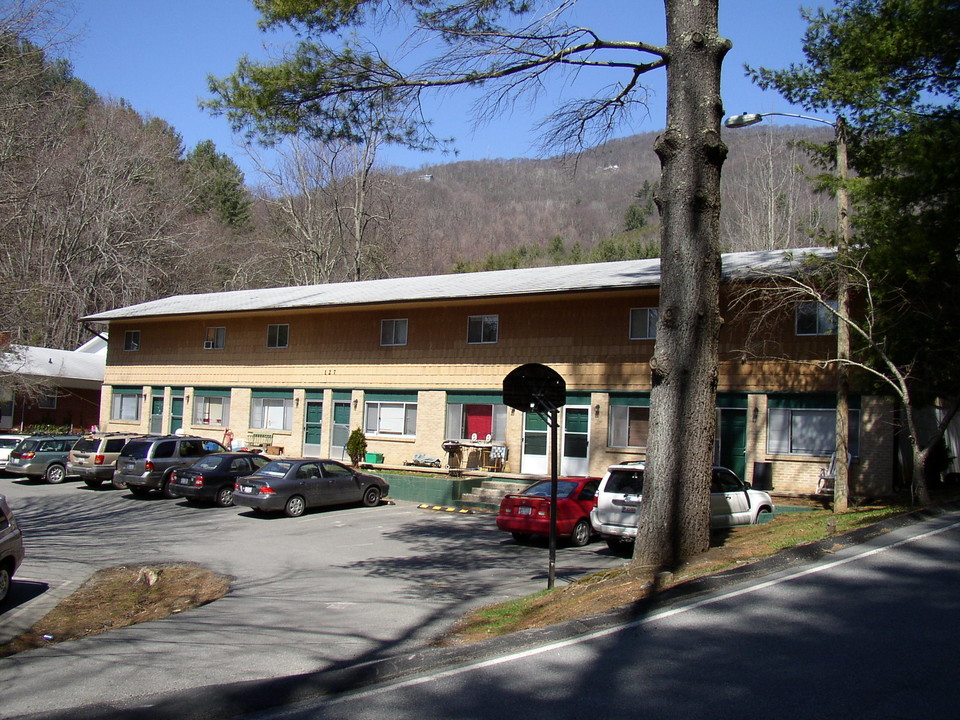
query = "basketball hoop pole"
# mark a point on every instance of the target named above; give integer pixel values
(552, 570)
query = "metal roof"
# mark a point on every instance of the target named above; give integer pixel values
(496, 283)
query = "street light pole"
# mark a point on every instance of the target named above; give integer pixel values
(842, 480)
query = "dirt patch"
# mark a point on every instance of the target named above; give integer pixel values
(120, 596)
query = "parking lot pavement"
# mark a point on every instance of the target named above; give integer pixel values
(334, 587)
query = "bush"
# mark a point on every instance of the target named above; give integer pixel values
(357, 446)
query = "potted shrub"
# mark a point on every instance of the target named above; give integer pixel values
(357, 446)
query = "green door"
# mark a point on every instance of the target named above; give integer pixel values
(156, 415)
(340, 432)
(312, 427)
(732, 441)
(176, 414)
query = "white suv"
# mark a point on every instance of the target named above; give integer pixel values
(732, 502)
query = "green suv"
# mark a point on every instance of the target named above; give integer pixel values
(42, 456)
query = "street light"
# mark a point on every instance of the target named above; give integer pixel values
(841, 481)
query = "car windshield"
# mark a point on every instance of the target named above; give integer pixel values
(628, 482)
(565, 488)
(86, 445)
(277, 468)
(136, 449)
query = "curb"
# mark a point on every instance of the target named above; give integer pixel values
(443, 508)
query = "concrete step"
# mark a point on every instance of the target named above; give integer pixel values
(490, 493)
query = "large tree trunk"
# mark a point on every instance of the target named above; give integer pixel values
(675, 513)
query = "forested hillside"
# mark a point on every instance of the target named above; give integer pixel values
(102, 207)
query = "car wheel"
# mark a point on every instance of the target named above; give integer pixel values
(295, 506)
(371, 496)
(4, 583)
(139, 491)
(92, 483)
(581, 533)
(118, 484)
(764, 516)
(619, 547)
(55, 474)
(165, 490)
(521, 537)
(224, 496)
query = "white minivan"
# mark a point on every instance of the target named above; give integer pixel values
(732, 502)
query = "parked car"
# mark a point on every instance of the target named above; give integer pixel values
(42, 456)
(732, 502)
(7, 444)
(146, 464)
(295, 485)
(11, 548)
(528, 513)
(94, 457)
(211, 478)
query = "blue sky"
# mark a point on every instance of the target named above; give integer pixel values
(156, 55)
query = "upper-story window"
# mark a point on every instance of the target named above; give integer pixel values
(131, 340)
(278, 336)
(483, 329)
(643, 323)
(216, 338)
(816, 318)
(393, 332)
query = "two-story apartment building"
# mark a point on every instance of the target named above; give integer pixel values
(418, 364)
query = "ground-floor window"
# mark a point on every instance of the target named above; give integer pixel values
(629, 422)
(795, 428)
(125, 404)
(394, 416)
(476, 421)
(271, 411)
(211, 407)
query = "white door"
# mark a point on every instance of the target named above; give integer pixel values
(534, 459)
(575, 441)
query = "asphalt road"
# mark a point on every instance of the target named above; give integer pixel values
(869, 631)
(333, 588)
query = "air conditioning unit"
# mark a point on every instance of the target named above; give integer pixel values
(208, 344)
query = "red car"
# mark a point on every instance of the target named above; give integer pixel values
(528, 513)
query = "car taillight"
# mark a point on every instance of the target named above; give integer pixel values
(27, 455)
(266, 490)
(98, 459)
(148, 466)
(198, 481)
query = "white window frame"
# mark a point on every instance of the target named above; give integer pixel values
(47, 399)
(483, 329)
(206, 413)
(125, 407)
(618, 434)
(643, 323)
(131, 340)
(268, 413)
(825, 321)
(808, 431)
(456, 422)
(276, 333)
(397, 419)
(393, 332)
(215, 338)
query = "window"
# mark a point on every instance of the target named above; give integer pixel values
(271, 413)
(393, 332)
(466, 420)
(629, 426)
(47, 400)
(211, 409)
(643, 323)
(278, 336)
(216, 338)
(483, 329)
(391, 418)
(131, 340)
(808, 431)
(125, 406)
(815, 318)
